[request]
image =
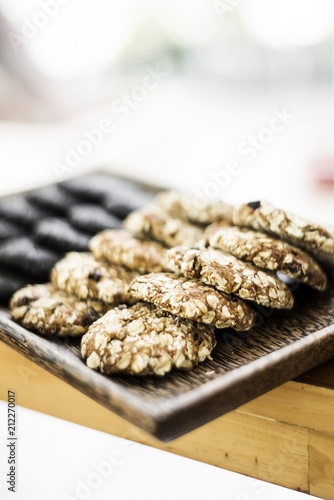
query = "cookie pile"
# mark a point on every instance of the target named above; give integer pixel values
(148, 296)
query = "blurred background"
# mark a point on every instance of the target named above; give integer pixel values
(230, 99)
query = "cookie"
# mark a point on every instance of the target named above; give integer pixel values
(231, 275)
(193, 300)
(46, 310)
(60, 235)
(145, 340)
(244, 215)
(191, 208)
(269, 253)
(119, 247)
(316, 240)
(157, 225)
(210, 231)
(82, 275)
(92, 218)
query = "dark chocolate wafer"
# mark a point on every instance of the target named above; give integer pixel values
(60, 235)
(92, 218)
(22, 254)
(53, 198)
(18, 210)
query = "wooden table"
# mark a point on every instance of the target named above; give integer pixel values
(285, 437)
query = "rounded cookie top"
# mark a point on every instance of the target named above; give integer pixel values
(231, 275)
(269, 253)
(46, 310)
(145, 340)
(121, 248)
(311, 237)
(193, 208)
(157, 225)
(82, 275)
(193, 300)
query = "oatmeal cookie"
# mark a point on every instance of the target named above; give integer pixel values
(269, 253)
(119, 247)
(46, 310)
(231, 275)
(194, 209)
(315, 239)
(157, 225)
(82, 275)
(145, 340)
(193, 300)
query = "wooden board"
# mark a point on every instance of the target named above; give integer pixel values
(281, 347)
(321, 461)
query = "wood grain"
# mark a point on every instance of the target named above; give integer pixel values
(321, 465)
(281, 347)
(299, 404)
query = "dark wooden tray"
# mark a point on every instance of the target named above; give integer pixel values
(243, 367)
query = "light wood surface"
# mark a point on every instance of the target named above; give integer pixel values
(299, 404)
(321, 453)
(269, 438)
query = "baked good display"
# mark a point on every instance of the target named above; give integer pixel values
(145, 340)
(151, 292)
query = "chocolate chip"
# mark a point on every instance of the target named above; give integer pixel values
(296, 269)
(23, 301)
(90, 317)
(254, 204)
(96, 275)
